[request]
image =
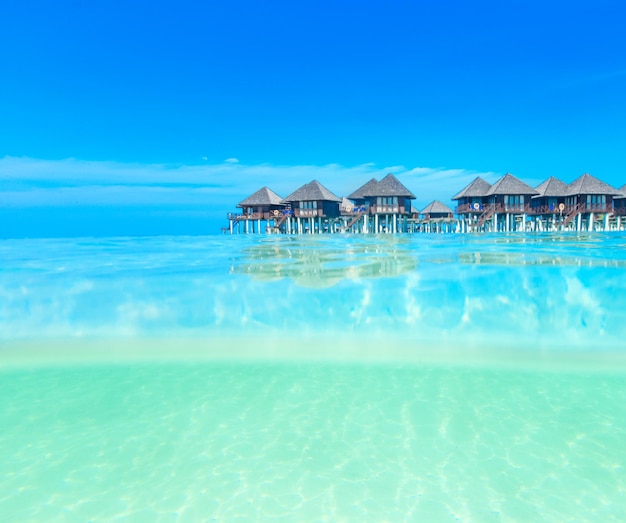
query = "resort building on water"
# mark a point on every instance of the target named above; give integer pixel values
(588, 199)
(549, 203)
(435, 217)
(503, 206)
(385, 206)
(312, 206)
(387, 202)
(262, 206)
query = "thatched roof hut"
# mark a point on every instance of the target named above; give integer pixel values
(359, 194)
(477, 188)
(550, 197)
(437, 208)
(587, 184)
(551, 188)
(263, 197)
(312, 191)
(510, 185)
(388, 186)
(313, 200)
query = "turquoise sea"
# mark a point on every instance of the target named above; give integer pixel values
(471, 378)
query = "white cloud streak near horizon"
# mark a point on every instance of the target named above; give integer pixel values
(29, 182)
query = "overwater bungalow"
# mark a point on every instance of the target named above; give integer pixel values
(388, 203)
(588, 200)
(313, 207)
(548, 204)
(262, 206)
(381, 206)
(436, 217)
(470, 203)
(386, 206)
(437, 210)
(508, 205)
(503, 206)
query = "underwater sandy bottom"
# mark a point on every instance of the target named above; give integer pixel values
(358, 378)
(244, 439)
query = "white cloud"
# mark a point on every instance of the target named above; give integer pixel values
(231, 160)
(31, 182)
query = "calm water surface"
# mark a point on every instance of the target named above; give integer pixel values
(408, 378)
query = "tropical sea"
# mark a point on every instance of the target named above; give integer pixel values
(314, 378)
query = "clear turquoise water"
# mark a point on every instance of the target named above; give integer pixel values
(426, 378)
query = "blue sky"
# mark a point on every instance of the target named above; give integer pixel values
(149, 117)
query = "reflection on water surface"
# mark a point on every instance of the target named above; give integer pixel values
(323, 264)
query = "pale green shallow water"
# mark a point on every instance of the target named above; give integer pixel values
(311, 441)
(345, 378)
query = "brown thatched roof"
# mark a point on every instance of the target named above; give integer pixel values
(388, 186)
(509, 184)
(359, 193)
(551, 187)
(478, 187)
(264, 196)
(436, 207)
(587, 184)
(622, 189)
(310, 192)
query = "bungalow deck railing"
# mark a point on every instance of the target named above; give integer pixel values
(357, 209)
(547, 209)
(436, 217)
(597, 207)
(517, 208)
(466, 208)
(308, 213)
(580, 207)
(247, 216)
(481, 208)
(386, 209)
(267, 215)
